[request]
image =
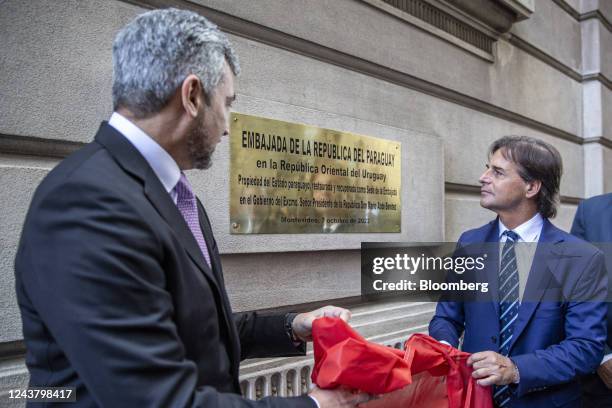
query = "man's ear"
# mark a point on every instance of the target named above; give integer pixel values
(191, 95)
(533, 188)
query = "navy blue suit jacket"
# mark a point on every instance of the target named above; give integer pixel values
(117, 300)
(559, 333)
(593, 223)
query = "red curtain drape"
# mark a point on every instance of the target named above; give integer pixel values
(426, 373)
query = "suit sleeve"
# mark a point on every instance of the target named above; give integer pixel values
(448, 322)
(93, 269)
(578, 224)
(264, 335)
(585, 334)
(261, 334)
(579, 230)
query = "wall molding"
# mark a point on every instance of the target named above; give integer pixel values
(599, 16)
(568, 9)
(598, 77)
(346, 302)
(461, 188)
(37, 146)
(576, 15)
(571, 200)
(599, 140)
(471, 189)
(34, 146)
(12, 349)
(54, 148)
(544, 57)
(40, 147)
(541, 55)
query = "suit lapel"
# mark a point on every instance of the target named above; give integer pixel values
(215, 262)
(545, 261)
(492, 264)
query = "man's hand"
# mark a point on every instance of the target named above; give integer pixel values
(338, 398)
(491, 368)
(302, 324)
(605, 373)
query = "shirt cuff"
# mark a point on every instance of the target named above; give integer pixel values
(315, 401)
(518, 373)
(289, 318)
(606, 358)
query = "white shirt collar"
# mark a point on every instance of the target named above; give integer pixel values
(164, 166)
(529, 231)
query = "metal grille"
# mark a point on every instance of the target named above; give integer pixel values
(389, 322)
(289, 382)
(445, 22)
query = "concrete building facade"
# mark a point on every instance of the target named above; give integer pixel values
(444, 77)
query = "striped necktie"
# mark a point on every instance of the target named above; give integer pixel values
(508, 306)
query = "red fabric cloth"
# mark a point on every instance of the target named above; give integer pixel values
(426, 373)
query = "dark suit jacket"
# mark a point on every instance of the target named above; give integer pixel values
(559, 333)
(116, 298)
(593, 223)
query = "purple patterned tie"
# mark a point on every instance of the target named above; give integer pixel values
(186, 203)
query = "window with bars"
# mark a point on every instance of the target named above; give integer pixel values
(445, 22)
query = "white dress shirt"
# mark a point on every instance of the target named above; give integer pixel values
(163, 165)
(529, 231)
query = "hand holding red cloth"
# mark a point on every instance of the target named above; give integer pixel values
(427, 373)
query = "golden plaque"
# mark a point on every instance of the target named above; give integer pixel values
(288, 178)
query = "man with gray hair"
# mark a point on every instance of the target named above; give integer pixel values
(118, 275)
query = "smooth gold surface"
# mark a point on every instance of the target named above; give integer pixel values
(290, 178)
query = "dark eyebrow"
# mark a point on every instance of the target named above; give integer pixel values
(496, 168)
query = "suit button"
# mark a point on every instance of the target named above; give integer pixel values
(494, 339)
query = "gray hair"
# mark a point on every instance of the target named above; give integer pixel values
(155, 52)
